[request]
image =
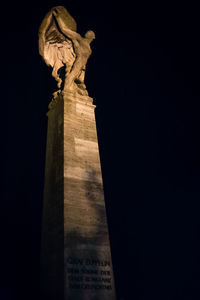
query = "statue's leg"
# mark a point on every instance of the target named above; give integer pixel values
(74, 73)
(81, 79)
(82, 76)
(67, 71)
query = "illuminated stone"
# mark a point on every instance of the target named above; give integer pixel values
(64, 49)
(75, 258)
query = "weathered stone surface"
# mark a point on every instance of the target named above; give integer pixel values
(52, 254)
(76, 252)
(65, 50)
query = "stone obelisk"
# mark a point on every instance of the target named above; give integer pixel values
(75, 258)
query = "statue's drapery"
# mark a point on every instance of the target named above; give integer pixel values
(62, 48)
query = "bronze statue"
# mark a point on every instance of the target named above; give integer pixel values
(63, 48)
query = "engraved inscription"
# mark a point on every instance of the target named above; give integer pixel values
(89, 274)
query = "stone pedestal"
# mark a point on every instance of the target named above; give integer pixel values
(76, 259)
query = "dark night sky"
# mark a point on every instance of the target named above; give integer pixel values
(144, 78)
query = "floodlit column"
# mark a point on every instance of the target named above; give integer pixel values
(75, 253)
(76, 250)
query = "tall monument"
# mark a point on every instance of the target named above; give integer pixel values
(75, 257)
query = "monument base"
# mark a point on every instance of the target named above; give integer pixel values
(76, 259)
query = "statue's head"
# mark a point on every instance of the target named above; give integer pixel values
(90, 35)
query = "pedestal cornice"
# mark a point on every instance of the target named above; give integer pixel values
(70, 96)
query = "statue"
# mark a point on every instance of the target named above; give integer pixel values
(64, 49)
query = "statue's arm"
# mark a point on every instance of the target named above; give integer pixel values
(45, 23)
(73, 35)
(42, 30)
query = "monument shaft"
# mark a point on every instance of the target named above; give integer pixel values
(76, 259)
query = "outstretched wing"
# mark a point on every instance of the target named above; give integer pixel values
(55, 48)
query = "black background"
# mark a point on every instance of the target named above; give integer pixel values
(144, 78)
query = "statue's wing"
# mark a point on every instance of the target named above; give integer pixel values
(54, 46)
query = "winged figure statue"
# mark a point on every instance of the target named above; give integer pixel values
(65, 50)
